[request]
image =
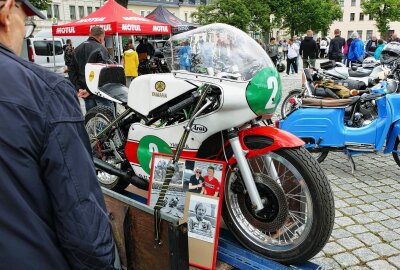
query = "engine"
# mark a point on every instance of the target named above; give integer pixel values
(366, 113)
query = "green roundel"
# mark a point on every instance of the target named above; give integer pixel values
(264, 91)
(149, 145)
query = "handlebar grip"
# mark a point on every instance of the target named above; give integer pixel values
(183, 104)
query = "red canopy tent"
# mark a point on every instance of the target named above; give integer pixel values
(115, 20)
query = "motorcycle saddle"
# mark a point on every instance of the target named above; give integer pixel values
(329, 103)
(116, 90)
(359, 74)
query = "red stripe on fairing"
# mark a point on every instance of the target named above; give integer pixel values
(131, 148)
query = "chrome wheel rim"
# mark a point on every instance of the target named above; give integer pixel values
(300, 218)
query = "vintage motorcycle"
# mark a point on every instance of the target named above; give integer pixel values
(277, 200)
(358, 125)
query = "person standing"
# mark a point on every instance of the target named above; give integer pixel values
(336, 47)
(371, 46)
(69, 52)
(149, 47)
(284, 48)
(211, 184)
(90, 51)
(356, 49)
(309, 50)
(52, 210)
(322, 48)
(196, 181)
(273, 50)
(346, 51)
(130, 61)
(379, 49)
(291, 57)
(185, 56)
(395, 38)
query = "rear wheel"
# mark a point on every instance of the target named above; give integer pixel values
(95, 121)
(395, 153)
(298, 213)
(288, 107)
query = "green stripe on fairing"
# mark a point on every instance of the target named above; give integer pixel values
(260, 90)
(147, 146)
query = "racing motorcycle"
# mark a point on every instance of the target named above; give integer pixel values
(277, 200)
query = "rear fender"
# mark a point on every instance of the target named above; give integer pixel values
(394, 132)
(279, 139)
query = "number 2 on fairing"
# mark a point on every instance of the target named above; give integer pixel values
(272, 82)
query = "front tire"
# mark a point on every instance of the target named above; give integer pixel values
(95, 120)
(287, 107)
(307, 207)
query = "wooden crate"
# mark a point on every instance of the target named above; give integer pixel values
(133, 229)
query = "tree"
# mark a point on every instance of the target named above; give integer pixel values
(383, 11)
(317, 15)
(233, 12)
(41, 4)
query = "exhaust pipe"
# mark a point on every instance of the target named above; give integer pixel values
(132, 179)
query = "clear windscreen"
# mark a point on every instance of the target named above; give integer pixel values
(217, 50)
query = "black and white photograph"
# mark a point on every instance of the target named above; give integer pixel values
(174, 201)
(202, 217)
(160, 169)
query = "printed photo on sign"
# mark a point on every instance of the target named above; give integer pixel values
(160, 170)
(203, 177)
(174, 201)
(202, 218)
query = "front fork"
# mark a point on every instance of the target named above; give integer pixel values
(245, 170)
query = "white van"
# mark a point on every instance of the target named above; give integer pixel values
(40, 51)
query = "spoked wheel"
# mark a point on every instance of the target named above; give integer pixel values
(298, 213)
(95, 121)
(396, 152)
(288, 107)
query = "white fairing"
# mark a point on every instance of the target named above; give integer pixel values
(144, 97)
(234, 111)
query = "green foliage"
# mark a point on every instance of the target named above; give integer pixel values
(316, 15)
(233, 12)
(383, 11)
(41, 4)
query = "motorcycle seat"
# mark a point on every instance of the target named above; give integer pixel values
(329, 103)
(117, 91)
(359, 74)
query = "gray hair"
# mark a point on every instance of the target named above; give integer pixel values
(355, 35)
(97, 31)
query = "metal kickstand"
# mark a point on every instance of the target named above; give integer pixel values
(352, 164)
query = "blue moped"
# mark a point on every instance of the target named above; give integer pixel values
(358, 125)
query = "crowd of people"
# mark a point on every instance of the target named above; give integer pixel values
(338, 49)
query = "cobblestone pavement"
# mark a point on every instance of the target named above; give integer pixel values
(366, 234)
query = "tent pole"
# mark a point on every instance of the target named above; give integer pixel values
(117, 41)
(54, 54)
(172, 52)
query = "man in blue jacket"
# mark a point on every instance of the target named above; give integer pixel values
(356, 49)
(52, 213)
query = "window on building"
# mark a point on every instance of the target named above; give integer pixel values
(369, 34)
(341, 2)
(192, 2)
(353, 3)
(352, 16)
(148, 12)
(341, 19)
(96, 8)
(57, 11)
(361, 16)
(72, 13)
(89, 10)
(49, 12)
(349, 34)
(360, 33)
(142, 13)
(81, 12)
(371, 17)
(203, 2)
(186, 16)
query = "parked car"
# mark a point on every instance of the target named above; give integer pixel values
(40, 51)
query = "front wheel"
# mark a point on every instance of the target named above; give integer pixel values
(319, 156)
(298, 215)
(288, 107)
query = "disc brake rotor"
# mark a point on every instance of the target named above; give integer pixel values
(275, 212)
